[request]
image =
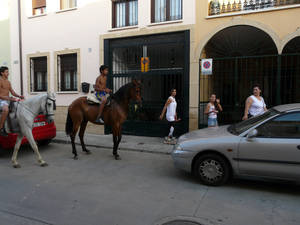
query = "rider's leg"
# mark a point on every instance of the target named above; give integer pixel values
(2, 120)
(103, 102)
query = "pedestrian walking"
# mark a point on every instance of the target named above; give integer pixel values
(171, 116)
(255, 104)
(212, 109)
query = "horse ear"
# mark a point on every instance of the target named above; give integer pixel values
(136, 82)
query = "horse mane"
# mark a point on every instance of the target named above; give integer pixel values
(121, 94)
(35, 97)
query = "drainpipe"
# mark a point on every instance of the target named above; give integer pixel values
(20, 46)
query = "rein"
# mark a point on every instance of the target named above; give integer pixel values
(54, 106)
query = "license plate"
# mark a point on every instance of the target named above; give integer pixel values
(39, 124)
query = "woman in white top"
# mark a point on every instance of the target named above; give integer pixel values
(212, 109)
(255, 104)
(171, 115)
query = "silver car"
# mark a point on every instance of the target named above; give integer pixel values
(264, 146)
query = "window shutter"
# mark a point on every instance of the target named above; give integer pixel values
(38, 4)
(40, 64)
(152, 11)
(68, 62)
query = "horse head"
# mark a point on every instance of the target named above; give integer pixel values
(49, 106)
(135, 91)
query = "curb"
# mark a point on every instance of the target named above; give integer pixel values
(103, 146)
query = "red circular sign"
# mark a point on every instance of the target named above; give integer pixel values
(206, 64)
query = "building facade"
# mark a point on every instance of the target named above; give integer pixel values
(162, 43)
(65, 42)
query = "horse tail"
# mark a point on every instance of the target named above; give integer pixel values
(69, 125)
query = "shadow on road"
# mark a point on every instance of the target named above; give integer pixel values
(274, 186)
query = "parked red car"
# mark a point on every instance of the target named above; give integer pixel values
(43, 133)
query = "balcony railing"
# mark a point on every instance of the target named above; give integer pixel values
(217, 7)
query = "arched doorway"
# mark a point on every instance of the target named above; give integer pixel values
(242, 56)
(290, 71)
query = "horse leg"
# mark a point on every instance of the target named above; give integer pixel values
(81, 135)
(16, 149)
(34, 146)
(116, 139)
(72, 136)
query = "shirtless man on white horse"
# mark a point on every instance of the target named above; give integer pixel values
(5, 89)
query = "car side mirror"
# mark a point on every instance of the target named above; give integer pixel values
(252, 134)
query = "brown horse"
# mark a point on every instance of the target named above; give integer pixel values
(114, 114)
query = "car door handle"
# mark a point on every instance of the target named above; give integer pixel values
(298, 147)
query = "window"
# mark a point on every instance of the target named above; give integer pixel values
(38, 7)
(67, 4)
(38, 74)
(285, 126)
(67, 72)
(125, 13)
(166, 10)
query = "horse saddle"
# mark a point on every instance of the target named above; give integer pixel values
(11, 123)
(93, 100)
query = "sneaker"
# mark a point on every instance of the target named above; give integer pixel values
(99, 120)
(3, 132)
(167, 140)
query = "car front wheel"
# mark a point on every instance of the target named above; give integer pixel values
(212, 169)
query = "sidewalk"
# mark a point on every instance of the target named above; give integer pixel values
(128, 142)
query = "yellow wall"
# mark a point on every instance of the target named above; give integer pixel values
(282, 25)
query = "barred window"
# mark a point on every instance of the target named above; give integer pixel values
(124, 13)
(38, 7)
(38, 74)
(166, 10)
(67, 72)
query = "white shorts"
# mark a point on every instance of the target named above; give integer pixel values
(3, 103)
(170, 118)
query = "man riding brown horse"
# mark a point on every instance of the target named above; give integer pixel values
(80, 112)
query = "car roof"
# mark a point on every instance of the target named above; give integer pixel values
(287, 107)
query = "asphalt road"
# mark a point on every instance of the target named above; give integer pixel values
(140, 189)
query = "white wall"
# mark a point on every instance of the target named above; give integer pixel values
(81, 29)
(14, 46)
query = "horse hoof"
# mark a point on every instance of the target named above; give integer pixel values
(16, 166)
(75, 157)
(44, 164)
(88, 152)
(117, 157)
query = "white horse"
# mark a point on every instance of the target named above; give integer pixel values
(26, 111)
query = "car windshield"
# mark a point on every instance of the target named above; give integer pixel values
(241, 127)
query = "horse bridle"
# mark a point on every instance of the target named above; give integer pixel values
(46, 108)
